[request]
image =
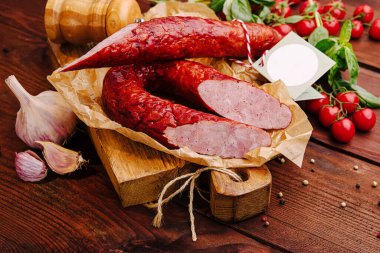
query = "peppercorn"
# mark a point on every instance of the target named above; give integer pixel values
(282, 201)
(357, 186)
(266, 224)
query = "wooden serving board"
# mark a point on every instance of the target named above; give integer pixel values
(139, 172)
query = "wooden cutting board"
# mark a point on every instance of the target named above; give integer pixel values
(139, 172)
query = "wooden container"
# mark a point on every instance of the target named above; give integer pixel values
(80, 22)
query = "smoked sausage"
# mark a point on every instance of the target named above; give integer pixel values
(127, 100)
(172, 38)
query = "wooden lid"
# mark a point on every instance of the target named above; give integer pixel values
(121, 13)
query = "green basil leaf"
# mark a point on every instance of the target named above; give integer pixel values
(264, 12)
(294, 19)
(334, 76)
(352, 64)
(331, 52)
(345, 32)
(257, 19)
(367, 98)
(227, 9)
(325, 45)
(241, 9)
(320, 33)
(217, 5)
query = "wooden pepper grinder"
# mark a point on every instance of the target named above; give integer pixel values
(80, 22)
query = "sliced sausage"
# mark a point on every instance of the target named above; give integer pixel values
(224, 95)
(126, 100)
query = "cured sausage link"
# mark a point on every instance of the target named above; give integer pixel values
(126, 101)
(172, 38)
(224, 95)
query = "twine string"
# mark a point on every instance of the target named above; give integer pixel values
(191, 178)
(249, 49)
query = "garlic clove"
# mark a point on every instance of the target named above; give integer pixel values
(30, 167)
(61, 160)
(45, 117)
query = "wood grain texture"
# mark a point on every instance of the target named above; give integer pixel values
(232, 201)
(82, 213)
(311, 219)
(137, 172)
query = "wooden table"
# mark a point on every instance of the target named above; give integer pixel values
(82, 213)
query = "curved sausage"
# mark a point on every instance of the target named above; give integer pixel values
(126, 100)
(172, 38)
(224, 95)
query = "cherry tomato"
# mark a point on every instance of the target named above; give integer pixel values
(282, 9)
(365, 12)
(343, 130)
(313, 106)
(328, 114)
(350, 101)
(332, 25)
(374, 31)
(364, 119)
(357, 29)
(336, 9)
(305, 5)
(305, 27)
(283, 29)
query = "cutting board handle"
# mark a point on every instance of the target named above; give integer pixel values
(232, 201)
(80, 22)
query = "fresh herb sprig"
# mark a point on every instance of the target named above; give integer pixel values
(340, 50)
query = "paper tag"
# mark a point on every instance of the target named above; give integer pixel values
(296, 62)
(309, 93)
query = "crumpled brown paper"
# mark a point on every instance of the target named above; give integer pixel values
(82, 90)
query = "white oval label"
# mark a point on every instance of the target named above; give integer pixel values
(294, 64)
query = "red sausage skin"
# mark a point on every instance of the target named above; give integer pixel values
(172, 38)
(126, 100)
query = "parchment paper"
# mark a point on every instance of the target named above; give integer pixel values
(82, 90)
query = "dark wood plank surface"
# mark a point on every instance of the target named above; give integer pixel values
(311, 219)
(82, 213)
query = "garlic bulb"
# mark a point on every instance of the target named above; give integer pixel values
(60, 159)
(30, 167)
(45, 117)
